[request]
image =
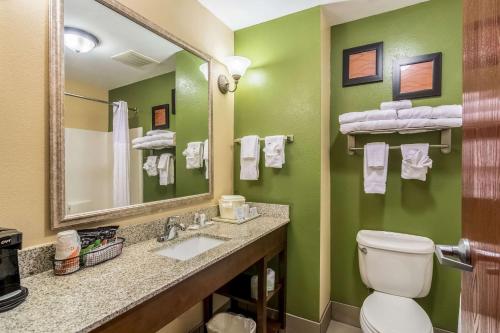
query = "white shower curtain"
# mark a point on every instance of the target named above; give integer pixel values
(121, 155)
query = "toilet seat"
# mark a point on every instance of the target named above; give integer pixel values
(384, 313)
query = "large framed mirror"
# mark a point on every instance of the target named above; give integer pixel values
(131, 115)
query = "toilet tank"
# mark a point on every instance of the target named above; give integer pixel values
(396, 264)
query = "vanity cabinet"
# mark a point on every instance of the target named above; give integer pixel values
(155, 313)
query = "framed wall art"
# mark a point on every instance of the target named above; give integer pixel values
(160, 117)
(363, 64)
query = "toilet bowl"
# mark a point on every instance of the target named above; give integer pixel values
(398, 267)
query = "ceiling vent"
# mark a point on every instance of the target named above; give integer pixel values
(134, 59)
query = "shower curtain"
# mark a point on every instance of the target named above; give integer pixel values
(121, 155)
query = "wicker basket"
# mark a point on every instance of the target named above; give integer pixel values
(92, 258)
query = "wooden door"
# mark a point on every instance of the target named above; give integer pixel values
(481, 166)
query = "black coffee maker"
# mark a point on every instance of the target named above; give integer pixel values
(11, 292)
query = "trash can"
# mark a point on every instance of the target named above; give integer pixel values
(231, 323)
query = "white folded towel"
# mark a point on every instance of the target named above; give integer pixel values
(375, 154)
(166, 169)
(375, 177)
(206, 157)
(157, 144)
(194, 155)
(395, 105)
(352, 117)
(420, 124)
(249, 146)
(162, 132)
(150, 138)
(447, 111)
(443, 111)
(416, 161)
(415, 113)
(249, 157)
(274, 151)
(150, 166)
(368, 126)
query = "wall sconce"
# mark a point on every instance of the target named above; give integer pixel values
(237, 66)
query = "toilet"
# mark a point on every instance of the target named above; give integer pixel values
(398, 267)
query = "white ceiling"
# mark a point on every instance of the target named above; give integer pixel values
(116, 34)
(238, 14)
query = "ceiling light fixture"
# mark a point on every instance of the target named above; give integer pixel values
(236, 66)
(79, 40)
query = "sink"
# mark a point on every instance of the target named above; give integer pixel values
(190, 247)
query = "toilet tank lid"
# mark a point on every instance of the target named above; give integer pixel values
(393, 241)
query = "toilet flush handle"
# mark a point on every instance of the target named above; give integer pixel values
(455, 256)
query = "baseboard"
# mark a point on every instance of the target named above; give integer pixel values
(296, 324)
(349, 314)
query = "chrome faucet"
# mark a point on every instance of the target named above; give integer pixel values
(171, 229)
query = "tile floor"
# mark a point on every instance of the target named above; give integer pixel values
(336, 327)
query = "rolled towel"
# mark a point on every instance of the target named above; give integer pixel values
(408, 126)
(352, 117)
(157, 144)
(156, 132)
(156, 137)
(396, 105)
(369, 126)
(415, 113)
(447, 111)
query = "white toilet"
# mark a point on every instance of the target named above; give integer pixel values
(398, 268)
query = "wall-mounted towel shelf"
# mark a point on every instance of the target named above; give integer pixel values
(445, 145)
(289, 139)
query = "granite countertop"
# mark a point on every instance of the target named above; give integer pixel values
(87, 299)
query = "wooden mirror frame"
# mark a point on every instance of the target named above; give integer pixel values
(59, 219)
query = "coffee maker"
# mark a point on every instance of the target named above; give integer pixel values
(11, 292)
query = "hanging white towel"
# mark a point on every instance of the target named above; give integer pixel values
(194, 155)
(121, 155)
(416, 161)
(166, 169)
(376, 154)
(274, 151)
(206, 157)
(150, 166)
(375, 177)
(352, 117)
(250, 157)
(396, 105)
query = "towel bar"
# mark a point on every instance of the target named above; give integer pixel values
(445, 145)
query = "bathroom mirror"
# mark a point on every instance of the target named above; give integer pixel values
(131, 115)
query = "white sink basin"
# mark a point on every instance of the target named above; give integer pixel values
(190, 247)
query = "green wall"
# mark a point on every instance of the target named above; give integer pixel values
(280, 94)
(144, 95)
(431, 208)
(192, 119)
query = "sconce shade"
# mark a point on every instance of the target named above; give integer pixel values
(237, 66)
(204, 70)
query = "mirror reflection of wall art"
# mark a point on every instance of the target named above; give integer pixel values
(161, 117)
(417, 77)
(363, 64)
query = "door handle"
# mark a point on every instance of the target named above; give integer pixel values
(455, 256)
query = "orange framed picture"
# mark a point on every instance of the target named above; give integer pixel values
(363, 64)
(160, 117)
(417, 77)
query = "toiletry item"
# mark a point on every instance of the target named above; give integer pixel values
(240, 213)
(246, 211)
(202, 220)
(253, 212)
(228, 205)
(67, 245)
(196, 219)
(96, 237)
(271, 277)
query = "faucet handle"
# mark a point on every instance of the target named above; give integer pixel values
(173, 219)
